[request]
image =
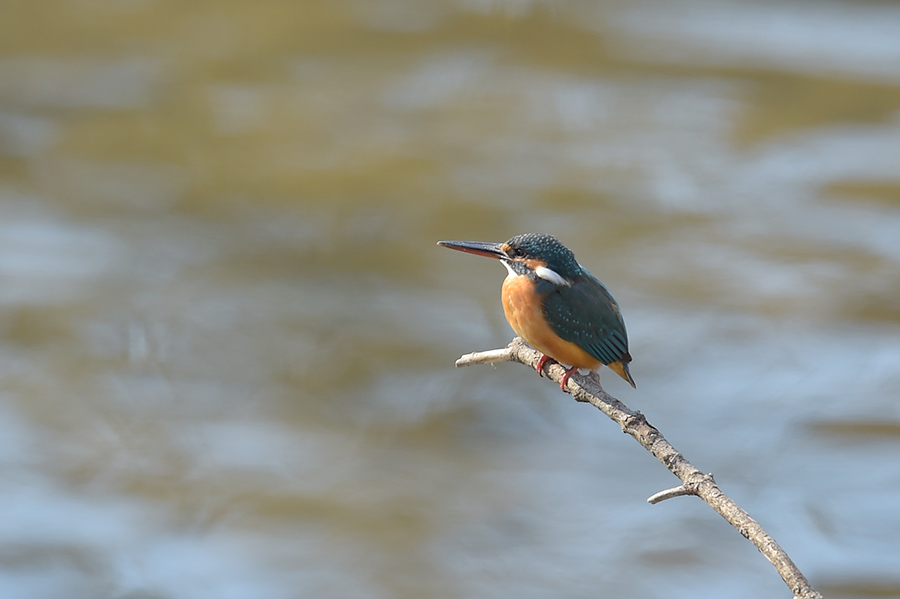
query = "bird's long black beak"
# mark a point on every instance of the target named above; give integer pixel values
(479, 248)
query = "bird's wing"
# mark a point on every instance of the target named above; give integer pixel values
(587, 315)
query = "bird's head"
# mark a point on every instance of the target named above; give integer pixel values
(533, 254)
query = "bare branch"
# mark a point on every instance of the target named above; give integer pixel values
(694, 482)
(487, 357)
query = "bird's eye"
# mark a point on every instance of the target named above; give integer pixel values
(516, 252)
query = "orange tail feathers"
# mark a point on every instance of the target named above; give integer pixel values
(621, 368)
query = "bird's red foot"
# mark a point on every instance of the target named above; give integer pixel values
(542, 361)
(566, 375)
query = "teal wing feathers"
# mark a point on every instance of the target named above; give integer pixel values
(587, 315)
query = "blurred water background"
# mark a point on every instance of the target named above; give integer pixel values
(227, 335)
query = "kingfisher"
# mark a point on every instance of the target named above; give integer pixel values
(556, 305)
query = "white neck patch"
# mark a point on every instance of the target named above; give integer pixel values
(548, 274)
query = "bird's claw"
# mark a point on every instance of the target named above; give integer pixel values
(542, 361)
(565, 377)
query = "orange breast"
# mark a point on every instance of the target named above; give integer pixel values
(522, 307)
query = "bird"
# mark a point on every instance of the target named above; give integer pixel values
(556, 305)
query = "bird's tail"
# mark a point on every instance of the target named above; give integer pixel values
(621, 368)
